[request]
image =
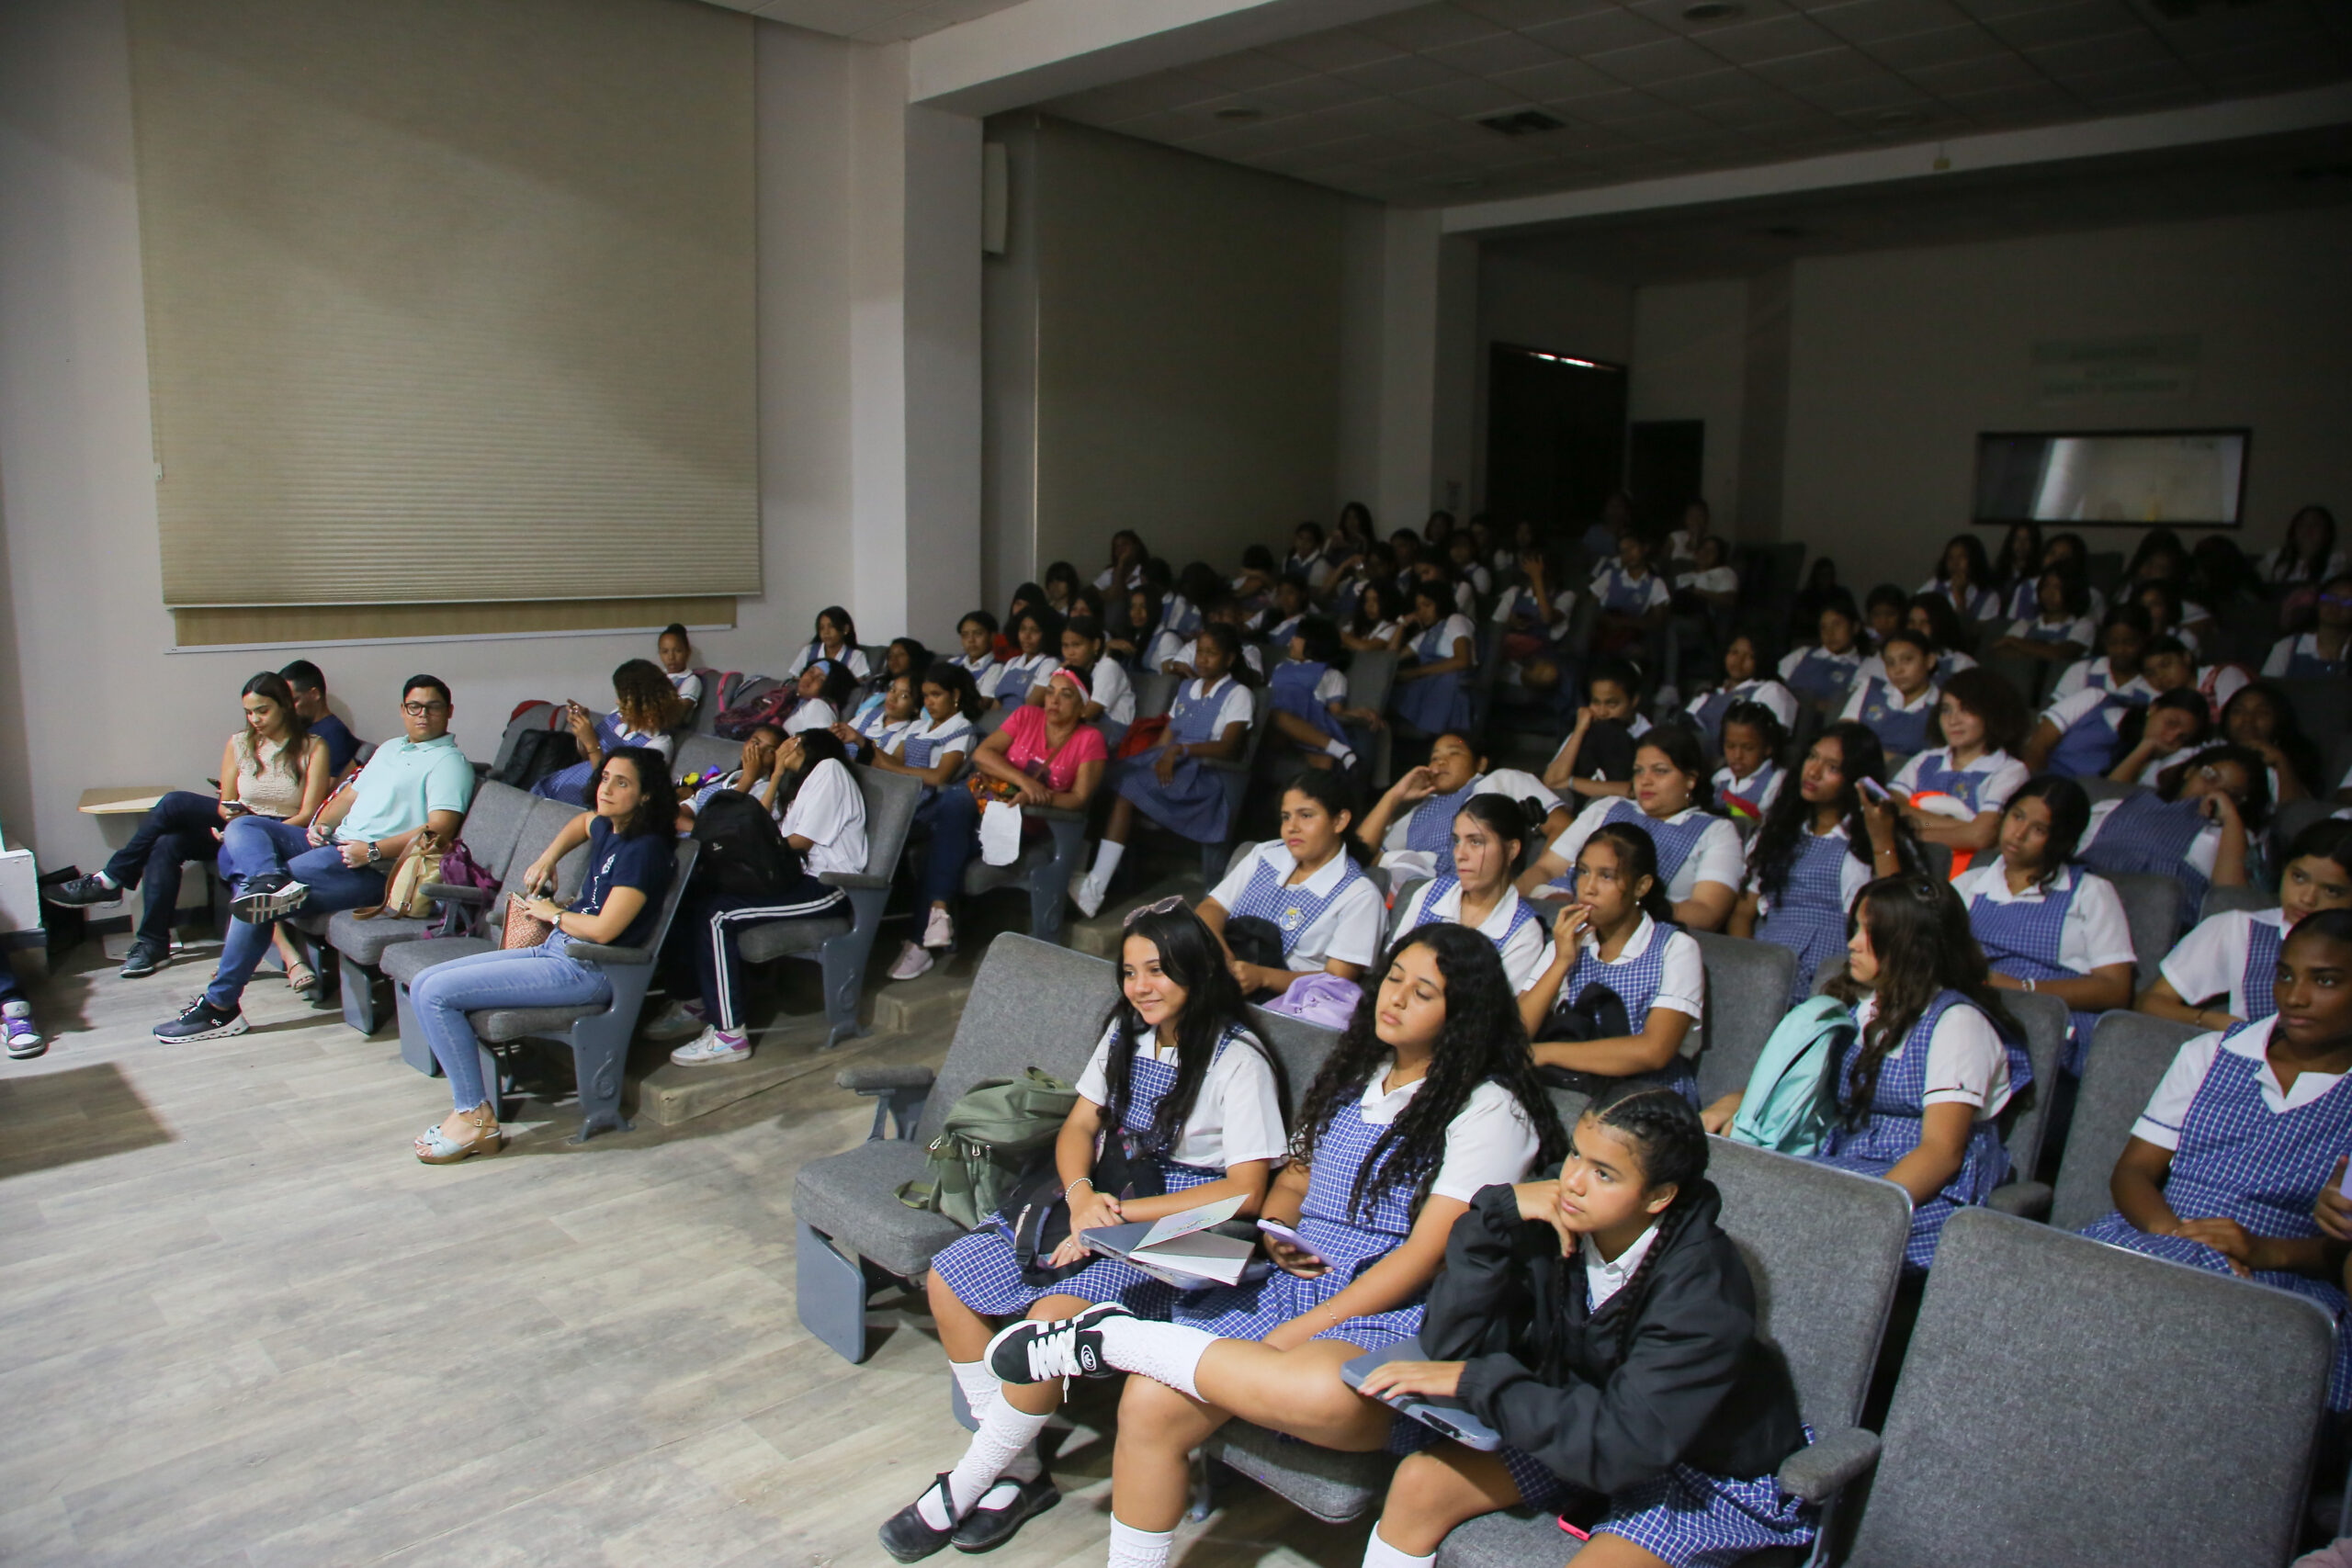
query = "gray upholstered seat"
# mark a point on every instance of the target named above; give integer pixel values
(702, 753)
(406, 962)
(1825, 1247)
(2129, 1053)
(2152, 910)
(2069, 1405)
(784, 938)
(1045, 870)
(2046, 1022)
(1032, 1004)
(2221, 900)
(1747, 992)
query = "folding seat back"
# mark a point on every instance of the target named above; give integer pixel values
(1747, 992)
(2129, 1053)
(2151, 910)
(2221, 901)
(2323, 703)
(705, 753)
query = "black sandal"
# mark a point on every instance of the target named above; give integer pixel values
(908, 1537)
(984, 1529)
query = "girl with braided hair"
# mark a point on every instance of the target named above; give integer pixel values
(1428, 1097)
(1604, 1324)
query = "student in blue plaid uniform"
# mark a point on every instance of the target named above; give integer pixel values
(1428, 1097)
(1490, 837)
(1180, 1081)
(1605, 1325)
(2230, 1167)
(2196, 827)
(2219, 973)
(1330, 915)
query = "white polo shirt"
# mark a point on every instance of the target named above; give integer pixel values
(1349, 928)
(2079, 630)
(1236, 1118)
(854, 658)
(2095, 934)
(2211, 960)
(1525, 952)
(1967, 1063)
(830, 812)
(1108, 684)
(1924, 703)
(1489, 1143)
(2084, 672)
(2160, 1123)
(1716, 857)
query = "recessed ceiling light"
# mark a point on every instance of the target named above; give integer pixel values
(1713, 11)
(1239, 111)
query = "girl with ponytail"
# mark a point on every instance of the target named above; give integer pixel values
(1491, 833)
(1605, 1325)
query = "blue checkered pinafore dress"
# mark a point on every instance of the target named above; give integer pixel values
(2146, 833)
(2309, 666)
(1809, 916)
(1897, 1114)
(2087, 747)
(2240, 1160)
(921, 752)
(1901, 733)
(1635, 980)
(1752, 792)
(1194, 803)
(1522, 913)
(1821, 675)
(1440, 701)
(1293, 910)
(1685, 1516)
(1674, 841)
(1937, 774)
(2021, 939)
(982, 1271)
(2259, 979)
(1430, 827)
(1349, 1242)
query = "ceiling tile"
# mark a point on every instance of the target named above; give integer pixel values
(2064, 24)
(1306, 94)
(1493, 54)
(1523, 14)
(1777, 37)
(1870, 21)
(1989, 10)
(2061, 60)
(1666, 125)
(1371, 118)
(1608, 108)
(1821, 69)
(1332, 50)
(1130, 100)
(2032, 104)
(2224, 26)
(1720, 87)
(2003, 70)
(2107, 87)
(2284, 61)
(1669, 14)
(1864, 94)
(1664, 61)
(1748, 113)
(1596, 32)
(1426, 28)
(1249, 69)
(1400, 73)
(1942, 47)
(1561, 79)
(1465, 98)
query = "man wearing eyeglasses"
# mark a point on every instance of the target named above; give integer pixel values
(420, 782)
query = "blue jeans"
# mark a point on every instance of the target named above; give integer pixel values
(954, 819)
(176, 830)
(517, 977)
(256, 846)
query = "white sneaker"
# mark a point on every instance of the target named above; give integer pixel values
(1087, 895)
(940, 930)
(913, 959)
(678, 1022)
(707, 1050)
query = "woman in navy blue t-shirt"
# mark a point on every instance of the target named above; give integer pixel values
(629, 838)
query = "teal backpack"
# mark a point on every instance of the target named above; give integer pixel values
(1792, 1095)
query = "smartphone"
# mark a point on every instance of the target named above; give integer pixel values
(1873, 790)
(236, 808)
(1291, 1239)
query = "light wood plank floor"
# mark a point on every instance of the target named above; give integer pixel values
(239, 1324)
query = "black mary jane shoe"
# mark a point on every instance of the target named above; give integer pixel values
(985, 1529)
(908, 1537)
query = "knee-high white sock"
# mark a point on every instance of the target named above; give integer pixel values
(1378, 1553)
(979, 1385)
(1132, 1548)
(1165, 1352)
(1106, 860)
(1005, 1433)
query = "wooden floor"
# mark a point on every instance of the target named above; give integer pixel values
(239, 1324)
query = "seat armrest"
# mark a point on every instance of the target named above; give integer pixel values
(596, 953)
(473, 898)
(2027, 1200)
(1833, 1461)
(898, 1094)
(853, 879)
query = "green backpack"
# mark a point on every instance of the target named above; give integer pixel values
(993, 1135)
(1792, 1096)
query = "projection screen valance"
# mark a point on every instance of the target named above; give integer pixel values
(449, 301)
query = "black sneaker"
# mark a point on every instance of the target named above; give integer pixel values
(143, 959)
(908, 1537)
(270, 896)
(201, 1021)
(1031, 1352)
(84, 893)
(986, 1529)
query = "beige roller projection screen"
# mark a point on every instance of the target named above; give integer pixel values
(448, 301)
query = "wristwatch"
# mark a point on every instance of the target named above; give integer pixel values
(374, 852)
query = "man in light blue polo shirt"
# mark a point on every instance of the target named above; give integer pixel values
(340, 862)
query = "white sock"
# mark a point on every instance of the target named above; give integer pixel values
(1106, 860)
(979, 1385)
(1339, 749)
(1132, 1548)
(1378, 1553)
(1005, 1431)
(106, 881)
(1165, 1352)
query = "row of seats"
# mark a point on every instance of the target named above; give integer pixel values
(2059, 1402)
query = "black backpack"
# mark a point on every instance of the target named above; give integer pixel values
(537, 753)
(744, 850)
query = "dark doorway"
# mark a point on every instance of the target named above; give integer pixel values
(1665, 468)
(1555, 435)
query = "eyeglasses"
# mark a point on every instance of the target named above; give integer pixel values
(420, 710)
(1166, 905)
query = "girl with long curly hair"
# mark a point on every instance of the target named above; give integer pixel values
(1430, 1097)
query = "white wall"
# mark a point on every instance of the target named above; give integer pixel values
(1690, 362)
(93, 693)
(1900, 358)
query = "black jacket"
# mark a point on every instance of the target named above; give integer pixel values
(1604, 1402)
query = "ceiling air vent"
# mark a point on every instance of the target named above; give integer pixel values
(1522, 122)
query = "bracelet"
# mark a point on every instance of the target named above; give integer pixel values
(2029, 982)
(1087, 1180)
